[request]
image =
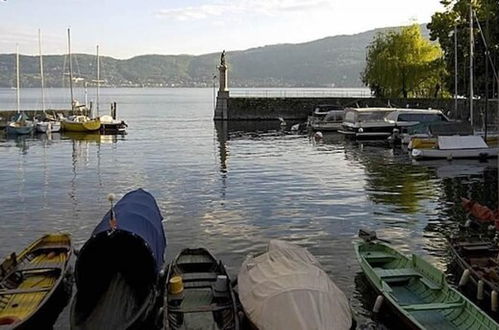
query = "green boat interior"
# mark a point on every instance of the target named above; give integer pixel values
(200, 304)
(419, 289)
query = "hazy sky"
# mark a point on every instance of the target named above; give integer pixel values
(125, 28)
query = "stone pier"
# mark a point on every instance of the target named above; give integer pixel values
(222, 107)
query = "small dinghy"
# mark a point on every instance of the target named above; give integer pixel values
(33, 284)
(286, 288)
(118, 269)
(417, 291)
(200, 295)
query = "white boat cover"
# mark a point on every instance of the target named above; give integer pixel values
(286, 288)
(461, 142)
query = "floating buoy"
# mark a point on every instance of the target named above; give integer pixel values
(493, 301)
(479, 290)
(318, 136)
(464, 278)
(111, 197)
(377, 304)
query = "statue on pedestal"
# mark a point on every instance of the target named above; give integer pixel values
(222, 58)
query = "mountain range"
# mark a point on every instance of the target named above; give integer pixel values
(329, 62)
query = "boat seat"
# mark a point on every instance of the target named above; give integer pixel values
(52, 247)
(430, 284)
(199, 276)
(378, 256)
(396, 272)
(478, 248)
(38, 269)
(19, 291)
(432, 306)
(201, 308)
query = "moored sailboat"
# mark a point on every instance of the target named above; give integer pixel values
(47, 124)
(77, 123)
(20, 125)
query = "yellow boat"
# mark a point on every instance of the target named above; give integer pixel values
(33, 288)
(81, 124)
(432, 142)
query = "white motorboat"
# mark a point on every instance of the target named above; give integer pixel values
(367, 123)
(326, 117)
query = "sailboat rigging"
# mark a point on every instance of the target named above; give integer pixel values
(47, 124)
(20, 125)
(80, 122)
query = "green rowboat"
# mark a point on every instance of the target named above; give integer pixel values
(418, 291)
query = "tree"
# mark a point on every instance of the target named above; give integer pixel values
(456, 15)
(404, 64)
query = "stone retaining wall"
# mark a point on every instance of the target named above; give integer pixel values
(298, 108)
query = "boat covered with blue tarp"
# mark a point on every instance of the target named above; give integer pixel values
(118, 269)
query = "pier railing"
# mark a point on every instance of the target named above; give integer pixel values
(296, 92)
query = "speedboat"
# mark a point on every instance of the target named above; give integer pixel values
(406, 120)
(367, 123)
(326, 118)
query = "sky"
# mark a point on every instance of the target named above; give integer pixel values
(126, 28)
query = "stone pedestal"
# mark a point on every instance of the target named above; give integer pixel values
(222, 105)
(222, 95)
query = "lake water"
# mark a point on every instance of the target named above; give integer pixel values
(232, 187)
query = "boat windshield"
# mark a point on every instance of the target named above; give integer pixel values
(372, 116)
(421, 117)
(334, 115)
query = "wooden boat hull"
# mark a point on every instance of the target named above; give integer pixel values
(117, 271)
(199, 305)
(418, 291)
(34, 285)
(477, 257)
(478, 153)
(88, 126)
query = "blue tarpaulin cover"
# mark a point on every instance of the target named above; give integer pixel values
(138, 213)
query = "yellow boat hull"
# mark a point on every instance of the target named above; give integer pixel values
(29, 281)
(87, 126)
(428, 143)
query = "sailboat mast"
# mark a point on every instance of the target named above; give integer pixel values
(17, 81)
(455, 69)
(471, 64)
(70, 71)
(41, 69)
(98, 81)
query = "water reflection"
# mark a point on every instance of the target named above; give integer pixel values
(232, 186)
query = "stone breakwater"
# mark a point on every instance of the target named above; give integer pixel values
(298, 108)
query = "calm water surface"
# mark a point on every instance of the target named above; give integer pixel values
(232, 187)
